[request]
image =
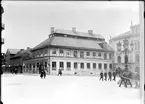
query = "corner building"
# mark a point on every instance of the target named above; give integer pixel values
(133, 37)
(72, 51)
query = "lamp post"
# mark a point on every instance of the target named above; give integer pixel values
(125, 51)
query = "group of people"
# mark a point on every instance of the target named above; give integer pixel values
(43, 70)
(103, 76)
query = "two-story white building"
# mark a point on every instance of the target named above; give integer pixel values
(133, 38)
(73, 52)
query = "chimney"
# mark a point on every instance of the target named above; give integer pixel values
(52, 30)
(90, 32)
(74, 29)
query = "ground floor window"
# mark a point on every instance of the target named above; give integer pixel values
(53, 65)
(105, 66)
(100, 66)
(110, 66)
(61, 65)
(33, 65)
(94, 65)
(68, 65)
(75, 65)
(30, 66)
(82, 65)
(88, 65)
(37, 65)
(45, 64)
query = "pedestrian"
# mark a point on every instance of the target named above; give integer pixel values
(114, 75)
(44, 72)
(101, 75)
(16, 70)
(105, 75)
(110, 75)
(41, 71)
(59, 72)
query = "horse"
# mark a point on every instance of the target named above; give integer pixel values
(128, 76)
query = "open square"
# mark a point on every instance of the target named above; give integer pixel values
(31, 89)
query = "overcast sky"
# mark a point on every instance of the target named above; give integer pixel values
(27, 23)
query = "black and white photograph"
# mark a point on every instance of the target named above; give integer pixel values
(72, 52)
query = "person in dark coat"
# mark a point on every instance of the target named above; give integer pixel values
(114, 75)
(101, 75)
(105, 75)
(41, 71)
(60, 72)
(16, 70)
(110, 75)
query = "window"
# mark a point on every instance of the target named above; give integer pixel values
(119, 59)
(105, 56)
(30, 66)
(61, 65)
(88, 65)
(54, 51)
(82, 54)
(75, 65)
(53, 65)
(46, 52)
(45, 64)
(61, 52)
(41, 53)
(26, 65)
(110, 56)
(82, 65)
(33, 65)
(94, 65)
(99, 54)
(105, 66)
(38, 53)
(37, 65)
(110, 66)
(68, 53)
(68, 65)
(100, 66)
(94, 53)
(88, 53)
(75, 53)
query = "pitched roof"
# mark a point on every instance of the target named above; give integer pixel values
(72, 43)
(70, 32)
(21, 52)
(127, 34)
(77, 43)
(106, 47)
(13, 51)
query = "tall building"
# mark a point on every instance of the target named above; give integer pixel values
(71, 51)
(132, 38)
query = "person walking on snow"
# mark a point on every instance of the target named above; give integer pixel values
(110, 75)
(114, 75)
(59, 72)
(101, 75)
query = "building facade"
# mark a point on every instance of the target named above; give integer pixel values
(117, 43)
(73, 52)
(17, 60)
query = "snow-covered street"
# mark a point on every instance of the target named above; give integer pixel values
(30, 89)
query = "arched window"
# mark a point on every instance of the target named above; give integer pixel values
(119, 59)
